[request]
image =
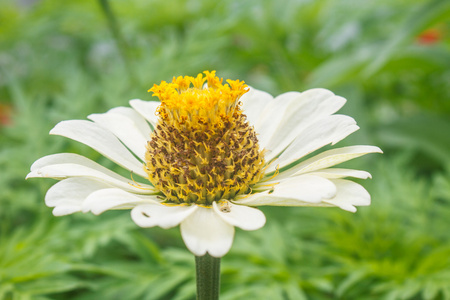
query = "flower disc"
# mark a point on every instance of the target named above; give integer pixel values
(203, 148)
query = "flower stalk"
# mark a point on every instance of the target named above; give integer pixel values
(208, 277)
(118, 37)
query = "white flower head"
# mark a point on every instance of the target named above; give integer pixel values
(217, 150)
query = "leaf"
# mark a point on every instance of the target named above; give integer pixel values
(295, 292)
(425, 132)
(351, 280)
(430, 292)
(51, 285)
(420, 18)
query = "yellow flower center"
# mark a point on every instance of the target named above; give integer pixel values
(202, 149)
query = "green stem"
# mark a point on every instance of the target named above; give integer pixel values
(208, 277)
(118, 37)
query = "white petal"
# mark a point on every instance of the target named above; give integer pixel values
(147, 109)
(101, 140)
(133, 132)
(335, 173)
(309, 107)
(205, 232)
(295, 191)
(267, 199)
(103, 200)
(244, 217)
(64, 158)
(348, 195)
(329, 130)
(253, 103)
(67, 196)
(140, 122)
(64, 165)
(150, 215)
(272, 115)
(329, 158)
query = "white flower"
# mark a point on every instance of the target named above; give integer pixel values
(203, 163)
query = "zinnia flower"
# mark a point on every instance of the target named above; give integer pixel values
(209, 152)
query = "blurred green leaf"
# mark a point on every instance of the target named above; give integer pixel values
(419, 18)
(425, 133)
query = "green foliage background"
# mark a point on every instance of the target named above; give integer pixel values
(59, 60)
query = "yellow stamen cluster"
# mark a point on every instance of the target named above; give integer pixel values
(202, 149)
(188, 99)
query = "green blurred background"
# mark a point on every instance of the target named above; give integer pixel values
(391, 59)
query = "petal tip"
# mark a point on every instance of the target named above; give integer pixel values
(34, 174)
(56, 129)
(378, 150)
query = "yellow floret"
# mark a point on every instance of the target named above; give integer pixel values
(198, 99)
